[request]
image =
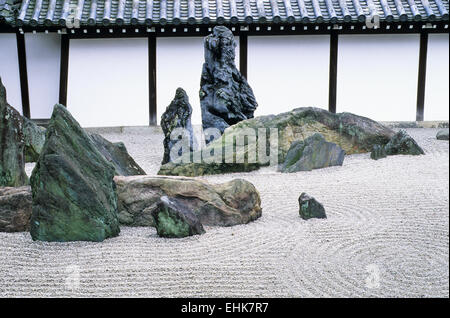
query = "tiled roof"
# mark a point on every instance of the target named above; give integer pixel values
(150, 12)
(8, 9)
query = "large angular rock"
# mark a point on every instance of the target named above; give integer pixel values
(15, 209)
(442, 134)
(312, 153)
(354, 134)
(310, 208)
(74, 196)
(177, 116)
(400, 144)
(117, 155)
(173, 219)
(12, 143)
(227, 204)
(225, 96)
(34, 140)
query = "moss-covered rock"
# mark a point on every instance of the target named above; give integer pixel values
(74, 196)
(12, 143)
(312, 153)
(352, 133)
(34, 140)
(174, 220)
(310, 208)
(117, 155)
(442, 134)
(400, 144)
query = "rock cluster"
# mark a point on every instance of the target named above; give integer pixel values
(225, 96)
(177, 119)
(73, 191)
(352, 133)
(12, 143)
(312, 153)
(400, 144)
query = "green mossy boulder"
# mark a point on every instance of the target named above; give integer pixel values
(12, 143)
(73, 191)
(310, 208)
(400, 144)
(312, 153)
(34, 140)
(175, 220)
(442, 134)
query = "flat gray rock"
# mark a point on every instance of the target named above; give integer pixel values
(15, 209)
(442, 134)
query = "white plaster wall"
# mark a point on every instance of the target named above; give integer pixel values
(287, 72)
(43, 65)
(437, 79)
(9, 70)
(108, 82)
(377, 76)
(179, 64)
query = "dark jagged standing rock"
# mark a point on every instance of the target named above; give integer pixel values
(400, 144)
(174, 220)
(177, 115)
(34, 140)
(225, 96)
(310, 207)
(117, 155)
(74, 196)
(15, 209)
(12, 143)
(312, 153)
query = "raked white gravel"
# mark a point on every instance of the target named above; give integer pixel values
(386, 235)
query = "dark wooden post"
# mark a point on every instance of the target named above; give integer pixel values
(64, 69)
(332, 90)
(152, 79)
(23, 73)
(422, 76)
(243, 54)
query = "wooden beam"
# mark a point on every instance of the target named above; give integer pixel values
(152, 79)
(23, 74)
(423, 51)
(64, 69)
(332, 90)
(243, 54)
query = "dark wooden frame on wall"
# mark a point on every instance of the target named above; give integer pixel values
(243, 32)
(64, 69)
(23, 74)
(332, 89)
(421, 82)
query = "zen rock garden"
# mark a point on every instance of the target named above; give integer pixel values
(84, 187)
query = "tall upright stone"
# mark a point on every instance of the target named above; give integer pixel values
(73, 191)
(12, 143)
(225, 96)
(177, 116)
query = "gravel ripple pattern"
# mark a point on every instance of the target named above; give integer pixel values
(386, 235)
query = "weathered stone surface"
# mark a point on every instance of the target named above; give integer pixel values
(117, 155)
(227, 204)
(442, 134)
(74, 196)
(312, 153)
(225, 96)
(378, 152)
(34, 140)
(354, 134)
(310, 207)
(173, 219)
(12, 143)
(15, 209)
(177, 116)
